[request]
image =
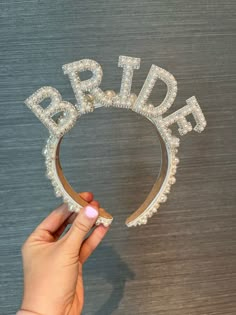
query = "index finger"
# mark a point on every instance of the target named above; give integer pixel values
(57, 217)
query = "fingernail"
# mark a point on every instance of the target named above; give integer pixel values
(91, 212)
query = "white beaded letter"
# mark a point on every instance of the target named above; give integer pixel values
(178, 117)
(90, 85)
(154, 74)
(128, 64)
(56, 106)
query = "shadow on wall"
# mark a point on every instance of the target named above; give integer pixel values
(114, 271)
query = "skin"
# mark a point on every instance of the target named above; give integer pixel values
(53, 282)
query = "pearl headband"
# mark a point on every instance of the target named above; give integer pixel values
(89, 97)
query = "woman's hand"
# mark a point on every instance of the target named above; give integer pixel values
(52, 265)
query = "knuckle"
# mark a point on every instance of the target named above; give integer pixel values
(24, 247)
(82, 226)
(91, 246)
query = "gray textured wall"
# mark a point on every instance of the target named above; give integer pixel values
(184, 260)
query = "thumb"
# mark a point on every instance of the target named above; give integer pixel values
(80, 228)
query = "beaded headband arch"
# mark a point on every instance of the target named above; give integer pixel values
(89, 97)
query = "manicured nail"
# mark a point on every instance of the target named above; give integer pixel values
(91, 212)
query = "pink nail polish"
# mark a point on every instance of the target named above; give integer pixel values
(91, 212)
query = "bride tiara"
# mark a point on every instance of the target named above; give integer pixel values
(60, 116)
